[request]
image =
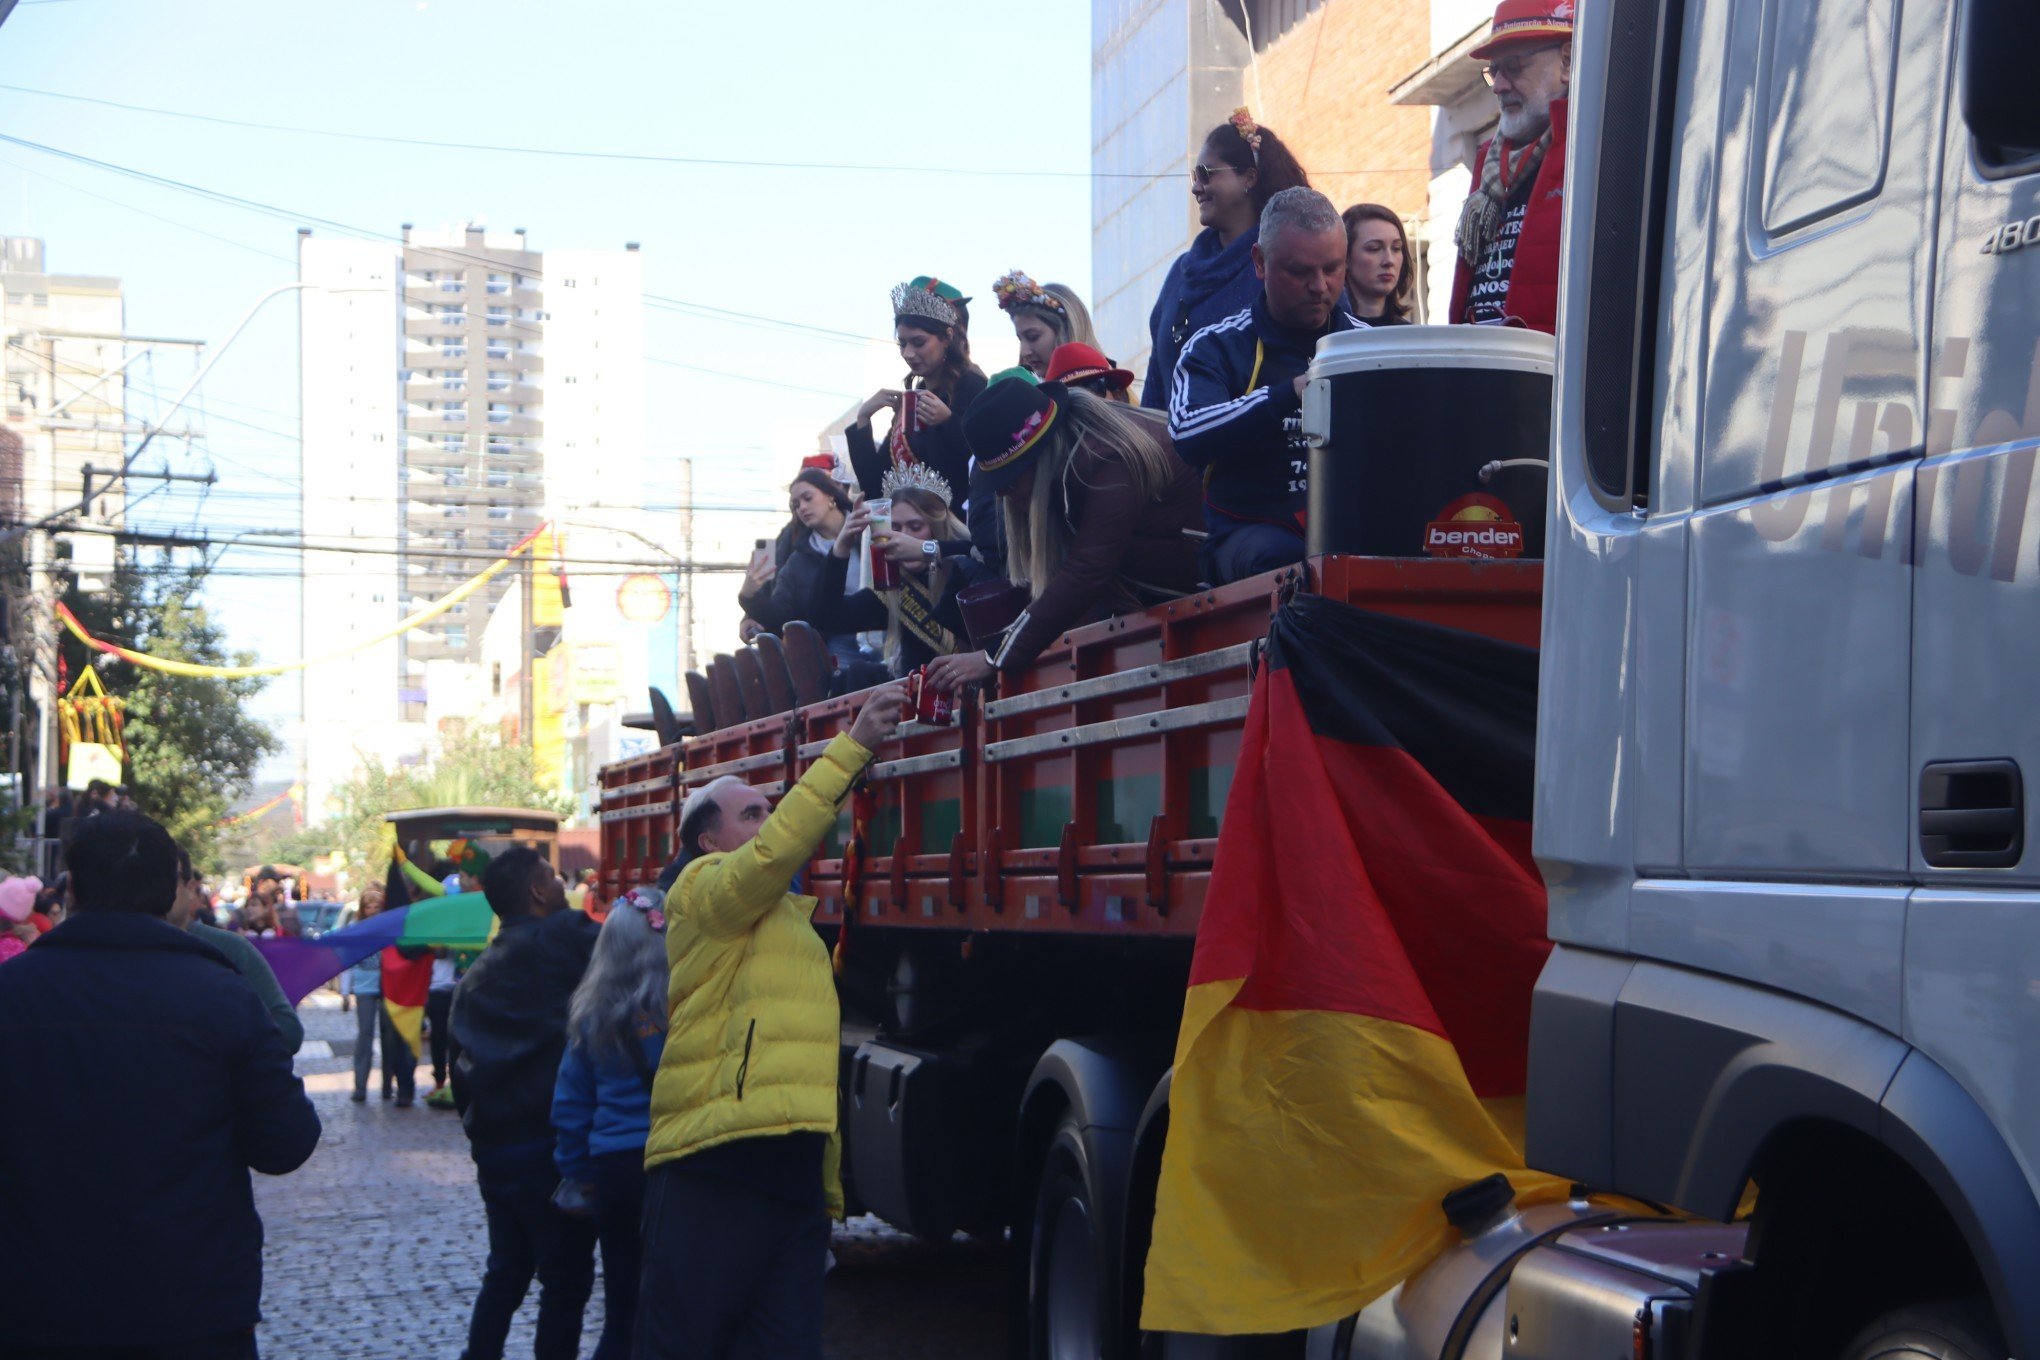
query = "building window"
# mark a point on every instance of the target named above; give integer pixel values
(499, 512)
(499, 316)
(449, 383)
(499, 540)
(453, 285)
(456, 635)
(499, 379)
(498, 283)
(452, 410)
(498, 478)
(453, 443)
(455, 477)
(453, 347)
(452, 510)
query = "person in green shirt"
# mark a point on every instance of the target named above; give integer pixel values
(247, 960)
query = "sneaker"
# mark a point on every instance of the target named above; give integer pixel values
(441, 1099)
(359, 1097)
(404, 1102)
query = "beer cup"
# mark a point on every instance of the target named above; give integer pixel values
(885, 573)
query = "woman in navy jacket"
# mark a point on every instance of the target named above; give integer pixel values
(1239, 168)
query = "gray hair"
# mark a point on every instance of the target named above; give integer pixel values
(1298, 209)
(622, 996)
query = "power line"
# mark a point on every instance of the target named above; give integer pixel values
(643, 158)
(451, 252)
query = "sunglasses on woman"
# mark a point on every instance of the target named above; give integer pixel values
(1201, 174)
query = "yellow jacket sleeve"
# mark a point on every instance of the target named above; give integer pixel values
(724, 895)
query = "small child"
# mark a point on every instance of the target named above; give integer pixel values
(17, 906)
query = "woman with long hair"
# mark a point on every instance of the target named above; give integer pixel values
(1044, 315)
(931, 321)
(921, 618)
(1096, 505)
(784, 581)
(1238, 169)
(1381, 274)
(616, 1030)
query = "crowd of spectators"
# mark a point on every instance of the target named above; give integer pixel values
(1049, 476)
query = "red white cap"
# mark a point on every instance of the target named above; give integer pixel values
(1527, 23)
(1076, 361)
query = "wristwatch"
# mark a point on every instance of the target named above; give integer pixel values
(930, 551)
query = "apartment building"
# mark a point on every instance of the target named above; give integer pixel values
(459, 389)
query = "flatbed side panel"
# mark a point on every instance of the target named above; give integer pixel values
(1086, 798)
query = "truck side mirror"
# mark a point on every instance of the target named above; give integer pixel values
(1999, 40)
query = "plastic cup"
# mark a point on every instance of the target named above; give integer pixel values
(885, 573)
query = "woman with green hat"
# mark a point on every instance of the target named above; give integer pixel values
(1095, 503)
(931, 321)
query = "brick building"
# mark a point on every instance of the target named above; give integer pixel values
(1376, 97)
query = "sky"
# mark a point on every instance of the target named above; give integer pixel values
(948, 139)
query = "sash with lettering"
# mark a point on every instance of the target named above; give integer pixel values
(917, 616)
(1356, 1030)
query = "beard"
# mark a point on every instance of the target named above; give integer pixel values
(1528, 122)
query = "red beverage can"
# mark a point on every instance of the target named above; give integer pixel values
(933, 706)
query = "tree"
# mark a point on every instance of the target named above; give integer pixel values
(468, 769)
(192, 746)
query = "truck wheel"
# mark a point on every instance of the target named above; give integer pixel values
(1947, 1331)
(1066, 1272)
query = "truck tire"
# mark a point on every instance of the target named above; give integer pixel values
(1069, 1261)
(1946, 1331)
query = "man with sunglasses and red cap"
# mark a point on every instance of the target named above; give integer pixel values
(1508, 231)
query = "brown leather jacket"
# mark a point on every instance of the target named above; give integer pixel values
(1127, 554)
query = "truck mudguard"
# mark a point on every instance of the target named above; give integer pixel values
(1709, 1069)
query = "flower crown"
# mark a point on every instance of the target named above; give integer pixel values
(1250, 131)
(923, 301)
(918, 476)
(1015, 289)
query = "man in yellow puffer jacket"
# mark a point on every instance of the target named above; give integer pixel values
(740, 1165)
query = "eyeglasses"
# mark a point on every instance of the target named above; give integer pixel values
(1512, 68)
(1201, 174)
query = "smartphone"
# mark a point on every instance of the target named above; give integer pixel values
(762, 544)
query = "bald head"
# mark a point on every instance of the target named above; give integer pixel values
(722, 815)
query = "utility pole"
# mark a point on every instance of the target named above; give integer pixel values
(686, 565)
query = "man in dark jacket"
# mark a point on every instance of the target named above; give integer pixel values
(159, 1082)
(510, 1026)
(1241, 380)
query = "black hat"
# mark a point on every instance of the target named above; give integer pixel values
(1004, 427)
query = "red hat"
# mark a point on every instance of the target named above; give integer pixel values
(1074, 362)
(825, 461)
(1527, 23)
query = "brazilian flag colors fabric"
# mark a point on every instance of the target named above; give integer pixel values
(459, 921)
(1355, 1034)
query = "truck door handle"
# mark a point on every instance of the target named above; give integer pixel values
(1972, 814)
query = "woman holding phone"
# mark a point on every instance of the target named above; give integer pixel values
(785, 579)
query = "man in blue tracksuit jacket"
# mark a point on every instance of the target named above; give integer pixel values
(1240, 380)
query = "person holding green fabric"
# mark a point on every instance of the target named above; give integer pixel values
(253, 968)
(740, 1164)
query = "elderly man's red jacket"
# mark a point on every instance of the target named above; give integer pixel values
(1533, 285)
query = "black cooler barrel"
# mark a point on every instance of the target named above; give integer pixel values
(1402, 421)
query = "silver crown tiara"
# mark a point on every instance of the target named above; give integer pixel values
(907, 300)
(920, 476)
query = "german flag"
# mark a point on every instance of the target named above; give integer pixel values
(1356, 1030)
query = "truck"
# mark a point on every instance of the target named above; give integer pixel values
(1792, 1012)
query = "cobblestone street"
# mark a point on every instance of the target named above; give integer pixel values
(375, 1247)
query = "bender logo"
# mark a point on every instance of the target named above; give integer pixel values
(1478, 525)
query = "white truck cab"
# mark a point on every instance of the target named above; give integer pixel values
(1790, 662)
(1791, 615)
